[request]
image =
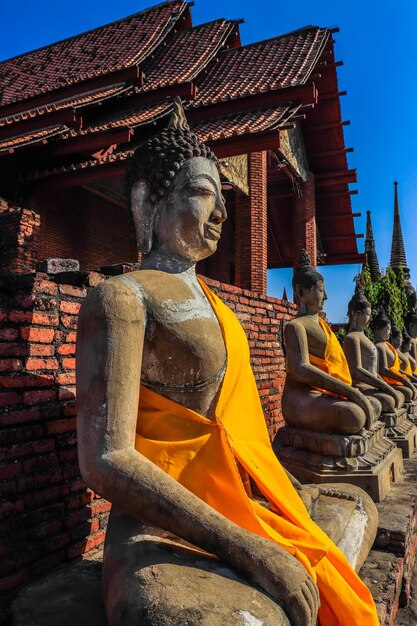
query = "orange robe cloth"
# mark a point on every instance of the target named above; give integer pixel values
(201, 454)
(395, 368)
(334, 362)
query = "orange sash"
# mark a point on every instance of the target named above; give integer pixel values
(395, 368)
(200, 453)
(334, 362)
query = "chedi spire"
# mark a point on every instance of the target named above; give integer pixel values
(370, 250)
(397, 247)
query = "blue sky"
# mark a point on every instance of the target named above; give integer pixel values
(378, 44)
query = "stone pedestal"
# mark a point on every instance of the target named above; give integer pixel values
(369, 460)
(401, 430)
(411, 408)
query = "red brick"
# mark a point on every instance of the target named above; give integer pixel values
(41, 335)
(10, 471)
(8, 399)
(99, 506)
(87, 544)
(71, 337)
(64, 379)
(45, 319)
(78, 500)
(38, 396)
(14, 349)
(61, 426)
(47, 563)
(40, 349)
(8, 334)
(68, 363)
(66, 348)
(19, 416)
(45, 286)
(10, 365)
(56, 543)
(26, 448)
(47, 462)
(45, 495)
(11, 508)
(69, 290)
(69, 410)
(69, 307)
(41, 364)
(14, 580)
(69, 321)
(20, 316)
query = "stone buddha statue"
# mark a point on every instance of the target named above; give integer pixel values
(397, 340)
(318, 393)
(406, 351)
(411, 326)
(362, 355)
(388, 360)
(171, 431)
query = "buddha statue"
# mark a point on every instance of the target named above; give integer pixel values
(362, 355)
(332, 430)
(388, 360)
(397, 340)
(171, 431)
(411, 326)
(318, 393)
(406, 348)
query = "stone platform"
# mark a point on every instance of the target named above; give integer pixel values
(71, 594)
(401, 428)
(369, 460)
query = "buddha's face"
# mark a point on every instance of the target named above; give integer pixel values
(412, 330)
(383, 333)
(396, 340)
(312, 299)
(188, 221)
(361, 319)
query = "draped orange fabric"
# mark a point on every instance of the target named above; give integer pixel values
(395, 368)
(334, 361)
(201, 454)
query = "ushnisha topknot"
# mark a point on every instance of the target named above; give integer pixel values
(358, 302)
(159, 158)
(305, 275)
(380, 320)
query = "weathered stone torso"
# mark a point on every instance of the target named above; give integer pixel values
(184, 355)
(368, 351)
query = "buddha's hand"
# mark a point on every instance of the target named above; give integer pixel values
(398, 397)
(282, 576)
(362, 401)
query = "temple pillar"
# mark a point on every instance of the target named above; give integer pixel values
(251, 228)
(304, 222)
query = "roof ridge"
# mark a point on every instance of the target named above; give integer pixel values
(91, 30)
(278, 37)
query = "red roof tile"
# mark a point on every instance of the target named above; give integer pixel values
(284, 61)
(186, 54)
(29, 138)
(120, 44)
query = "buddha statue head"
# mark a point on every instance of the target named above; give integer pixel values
(406, 344)
(381, 326)
(359, 308)
(175, 195)
(396, 337)
(411, 324)
(308, 285)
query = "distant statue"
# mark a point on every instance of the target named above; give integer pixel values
(389, 364)
(318, 393)
(411, 326)
(411, 365)
(362, 355)
(171, 429)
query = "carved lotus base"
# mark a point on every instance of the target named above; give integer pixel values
(369, 460)
(401, 430)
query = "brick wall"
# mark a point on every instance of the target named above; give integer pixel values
(304, 223)
(19, 237)
(251, 228)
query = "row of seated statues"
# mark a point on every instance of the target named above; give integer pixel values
(207, 527)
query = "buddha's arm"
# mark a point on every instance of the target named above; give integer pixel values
(109, 354)
(301, 370)
(384, 369)
(352, 350)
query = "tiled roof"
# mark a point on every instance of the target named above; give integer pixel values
(132, 118)
(29, 138)
(118, 45)
(280, 62)
(186, 54)
(244, 123)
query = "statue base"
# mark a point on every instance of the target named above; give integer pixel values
(411, 408)
(369, 460)
(401, 430)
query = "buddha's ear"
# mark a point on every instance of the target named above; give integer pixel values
(143, 213)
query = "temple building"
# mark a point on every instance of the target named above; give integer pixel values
(73, 111)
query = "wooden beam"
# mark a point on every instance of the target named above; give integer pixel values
(335, 216)
(336, 174)
(325, 195)
(186, 91)
(87, 144)
(327, 126)
(79, 177)
(66, 117)
(306, 94)
(131, 74)
(243, 144)
(341, 237)
(345, 259)
(330, 153)
(331, 94)
(329, 66)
